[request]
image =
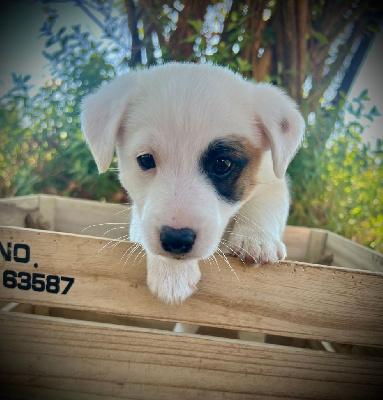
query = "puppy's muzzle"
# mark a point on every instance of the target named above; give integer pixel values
(177, 241)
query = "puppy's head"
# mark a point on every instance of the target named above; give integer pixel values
(189, 141)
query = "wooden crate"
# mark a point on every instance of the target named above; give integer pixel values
(92, 330)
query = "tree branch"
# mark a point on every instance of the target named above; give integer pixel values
(132, 16)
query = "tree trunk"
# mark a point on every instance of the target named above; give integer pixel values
(291, 26)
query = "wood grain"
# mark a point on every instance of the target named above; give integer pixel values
(53, 356)
(91, 217)
(352, 254)
(289, 299)
(296, 240)
(316, 246)
(69, 215)
(109, 220)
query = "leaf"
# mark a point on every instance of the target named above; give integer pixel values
(363, 96)
(61, 32)
(231, 26)
(64, 42)
(243, 65)
(369, 117)
(76, 29)
(51, 41)
(197, 24)
(190, 39)
(375, 112)
(320, 37)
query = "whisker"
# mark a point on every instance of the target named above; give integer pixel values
(129, 248)
(240, 234)
(135, 259)
(117, 242)
(120, 240)
(244, 218)
(113, 229)
(216, 262)
(209, 259)
(254, 223)
(123, 211)
(210, 264)
(222, 255)
(241, 248)
(236, 221)
(105, 223)
(136, 246)
(266, 183)
(105, 245)
(142, 257)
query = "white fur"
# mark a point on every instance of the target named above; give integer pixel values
(173, 112)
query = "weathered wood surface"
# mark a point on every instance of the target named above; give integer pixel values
(69, 215)
(17, 213)
(109, 220)
(55, 358)
(98, 219)
(352, 254)
(289, 299)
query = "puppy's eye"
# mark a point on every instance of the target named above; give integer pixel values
(146, 161)
(222, 166)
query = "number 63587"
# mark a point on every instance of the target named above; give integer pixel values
(37, 282)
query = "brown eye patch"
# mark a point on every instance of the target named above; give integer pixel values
(230, 165)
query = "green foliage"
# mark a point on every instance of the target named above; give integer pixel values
(344, 193)
(41, 145)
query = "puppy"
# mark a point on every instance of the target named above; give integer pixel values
(197, 145)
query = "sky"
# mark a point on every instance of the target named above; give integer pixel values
(20, 52)
(370, 77)
(20, 47)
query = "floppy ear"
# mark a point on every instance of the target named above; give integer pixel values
(280, 123)
(101, 117)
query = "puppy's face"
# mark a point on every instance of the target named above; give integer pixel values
(189, 141)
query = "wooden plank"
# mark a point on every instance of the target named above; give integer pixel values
(316, 246)
(91, 218)
(289, 299)
(296, 240)
(352, 255)
(20, 308)
(6, 306)
(109, 318)
(30, 202)
(28, 211)
(108, 360)
(98, 219)
(112, 221)
(67, 214)
(18, 392)
(13, 214)
(41, 310)
(47, 205)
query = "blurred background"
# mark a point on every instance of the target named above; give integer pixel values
(326, 54)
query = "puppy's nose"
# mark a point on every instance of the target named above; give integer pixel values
(177, 241)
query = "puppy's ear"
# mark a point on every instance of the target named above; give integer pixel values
(102, 115)
(281, 125)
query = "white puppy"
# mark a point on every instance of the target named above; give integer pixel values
(196, 146)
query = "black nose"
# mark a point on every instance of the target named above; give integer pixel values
(177, 241)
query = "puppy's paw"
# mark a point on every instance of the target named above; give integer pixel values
(172, 281)
(256, 247)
